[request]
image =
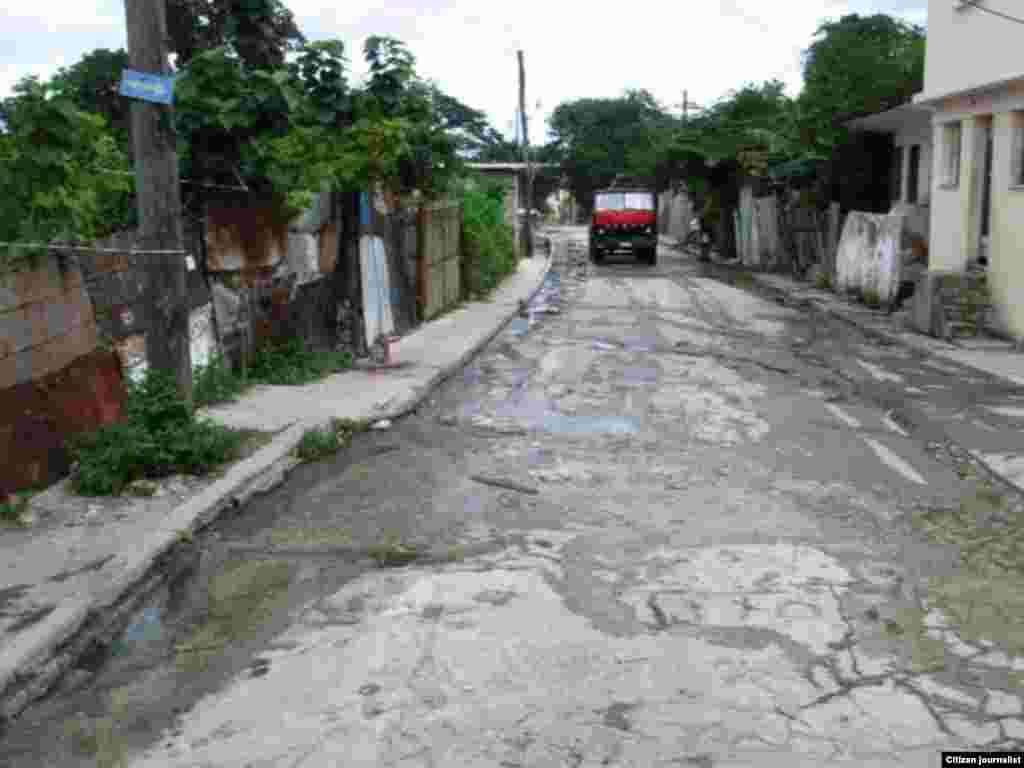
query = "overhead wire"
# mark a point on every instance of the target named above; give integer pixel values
(977, 4)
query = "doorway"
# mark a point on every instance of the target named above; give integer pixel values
(985, 150)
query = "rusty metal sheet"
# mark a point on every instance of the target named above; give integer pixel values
(244, 239)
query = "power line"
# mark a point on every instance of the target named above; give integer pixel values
(977, 4)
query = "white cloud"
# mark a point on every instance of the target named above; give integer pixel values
(573, 49)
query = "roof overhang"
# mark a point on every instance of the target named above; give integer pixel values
(932, 100)
(906, 117)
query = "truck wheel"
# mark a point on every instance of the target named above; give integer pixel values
(651, 256)
(595, 254)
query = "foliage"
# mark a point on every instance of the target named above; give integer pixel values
(823, 281)
(93, 85)
(292, 363)
(159, 436)
(599, 139)
(216, 382)
(857, 65)
(393, 551)
(259, 32)
(50, 153)
(488, 248)
(13, 509)
(317, 444)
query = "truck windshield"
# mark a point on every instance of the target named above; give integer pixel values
(624, 201)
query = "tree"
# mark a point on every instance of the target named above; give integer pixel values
(55, 163)
(259, 32)
(599, 139)
(93, 85)
(858, 65)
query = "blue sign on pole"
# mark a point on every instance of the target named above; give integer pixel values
(158, 89)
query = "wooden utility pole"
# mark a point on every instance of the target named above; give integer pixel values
(528, 222)
(159, 200)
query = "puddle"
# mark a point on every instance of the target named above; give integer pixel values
(589, 425)
(640, 343)
(519, 326)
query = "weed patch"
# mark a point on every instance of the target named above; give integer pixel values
(871, 298)
(12, 511)
(985, 597)
(216, 383)
(744, 280)
(291, 363)
(392, 551)
(319, 443)
(160, 436)
(305, 537)
(823, 281)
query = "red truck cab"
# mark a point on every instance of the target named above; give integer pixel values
(624, 218)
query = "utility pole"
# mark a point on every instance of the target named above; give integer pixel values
(159, 200)
(528, 223)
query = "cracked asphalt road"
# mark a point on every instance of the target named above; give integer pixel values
(680, 533)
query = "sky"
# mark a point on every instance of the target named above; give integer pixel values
(572, 49)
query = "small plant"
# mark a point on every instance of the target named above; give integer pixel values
(216, 382)
(744, 280)
(871, 298)
(291, 363)
(823, 281)
(12, 511)
(317, 444)
(160, 436)
(392, 551)
(456, 553)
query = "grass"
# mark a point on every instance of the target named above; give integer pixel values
(984, 599)
(871, 298)
(393, 551)
(12, 511)
(823, 281)
(99, 736)
(291, 363)
(288, 363)
(216, 383)
(305, 537)
(240, 599)
(321, 443)
(744, 280)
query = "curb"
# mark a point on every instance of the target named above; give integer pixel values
(35, 661)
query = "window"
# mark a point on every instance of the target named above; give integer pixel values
(951, 154)
(896, 188)
(1017, 177)
(608, 201)
(639, 201)
(913, 172)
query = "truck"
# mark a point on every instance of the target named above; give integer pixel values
(624, 218)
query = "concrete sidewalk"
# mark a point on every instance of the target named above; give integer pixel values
(70, 579)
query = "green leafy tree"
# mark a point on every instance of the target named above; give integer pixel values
(599, 139)
(259, 32)
(93, 85)
(62, 172)
(857, 65)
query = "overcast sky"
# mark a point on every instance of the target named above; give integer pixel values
(572, 49)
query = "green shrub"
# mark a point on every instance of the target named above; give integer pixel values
(318, 444)
(216, 382)
(292, 363)
(159, 436)
(12, 510)
(489, 252)
(823, 281)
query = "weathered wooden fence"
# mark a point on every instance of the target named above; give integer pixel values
(438, 235)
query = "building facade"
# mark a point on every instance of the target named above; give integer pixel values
(974, 85)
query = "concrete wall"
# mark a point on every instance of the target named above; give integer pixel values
(1006, 240)
(968, 47)
(868, 255)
